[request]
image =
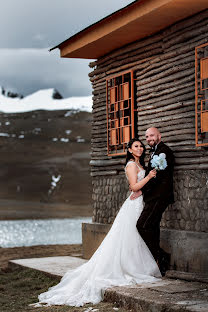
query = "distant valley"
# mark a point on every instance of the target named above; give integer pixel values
(44, 159)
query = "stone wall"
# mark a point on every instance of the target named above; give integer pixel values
(109, 194)
(190, 210)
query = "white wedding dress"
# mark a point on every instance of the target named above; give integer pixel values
(122, 259)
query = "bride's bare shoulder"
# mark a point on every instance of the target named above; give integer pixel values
(130, 165)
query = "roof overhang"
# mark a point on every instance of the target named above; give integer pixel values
(135, 21)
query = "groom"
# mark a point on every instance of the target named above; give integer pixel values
(157, 194)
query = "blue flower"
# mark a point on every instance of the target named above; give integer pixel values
(159, 162)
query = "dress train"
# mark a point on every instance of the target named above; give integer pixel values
(123, 258)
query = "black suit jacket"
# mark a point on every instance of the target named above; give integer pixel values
(162, 185)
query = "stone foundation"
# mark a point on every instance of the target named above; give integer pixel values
(92, 236)
(109, 193)
(184, 225)
(190, 210)
(188, 249)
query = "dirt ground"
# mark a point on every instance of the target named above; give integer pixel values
(16, 210)
(7, 254)
(28, 165)
(20, 287)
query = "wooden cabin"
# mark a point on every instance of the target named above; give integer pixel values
(150, 69)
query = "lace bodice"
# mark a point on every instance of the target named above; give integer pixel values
(140, 174)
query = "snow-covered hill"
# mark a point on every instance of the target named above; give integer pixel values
(43, 100)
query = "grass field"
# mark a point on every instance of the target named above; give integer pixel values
(20, 287)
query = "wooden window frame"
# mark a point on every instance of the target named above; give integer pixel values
(117, 96)
(201, 97)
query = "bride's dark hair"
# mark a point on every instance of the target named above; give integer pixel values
(129, 156)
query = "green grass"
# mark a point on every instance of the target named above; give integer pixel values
(21, 287)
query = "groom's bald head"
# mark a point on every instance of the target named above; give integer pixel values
(153, 136)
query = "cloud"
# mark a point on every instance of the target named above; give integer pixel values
(22, 20)
(28, 70)
(28, 28)
(39, 37)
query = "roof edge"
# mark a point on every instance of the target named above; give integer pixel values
(86, 28)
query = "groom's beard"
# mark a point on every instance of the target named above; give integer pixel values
(154, 144)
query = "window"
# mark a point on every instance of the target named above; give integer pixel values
(121, 112)
(201, 98)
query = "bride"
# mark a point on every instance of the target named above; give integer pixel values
(123, 257)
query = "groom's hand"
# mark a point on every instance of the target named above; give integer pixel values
(135, 195)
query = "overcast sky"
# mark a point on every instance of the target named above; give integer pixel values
(28, 28)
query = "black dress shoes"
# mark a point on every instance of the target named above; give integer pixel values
(163, 261)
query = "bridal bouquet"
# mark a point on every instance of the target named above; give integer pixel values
(159, 162)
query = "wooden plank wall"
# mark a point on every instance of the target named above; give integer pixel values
(164, 66)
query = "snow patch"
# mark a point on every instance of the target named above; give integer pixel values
(54, 182)
(69, 113)
(43, 100)
(64, 140)
(36, 130)
(80, 139)
(67, 132)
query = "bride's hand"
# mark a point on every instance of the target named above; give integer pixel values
(152, 173)
(135, 195)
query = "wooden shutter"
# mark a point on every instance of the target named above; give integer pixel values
(201, 95)
(120, 112)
